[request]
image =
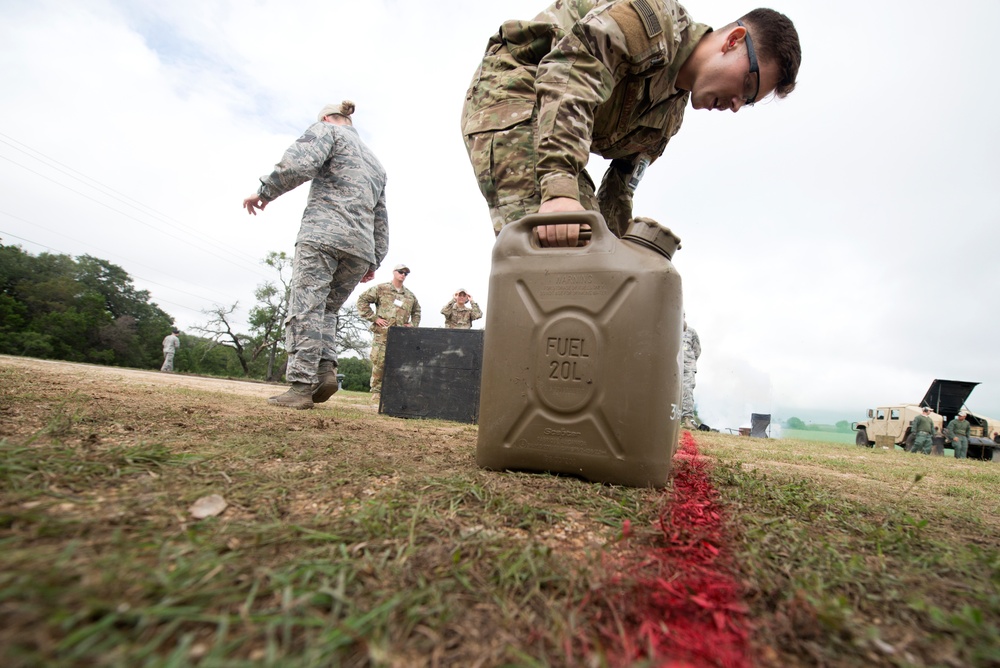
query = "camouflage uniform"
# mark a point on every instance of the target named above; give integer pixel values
(170, 345)
(922, 428)
(585, 76)
(692, 351)
(344, 233)
(457, 316)
(398, 308)
(958, 429)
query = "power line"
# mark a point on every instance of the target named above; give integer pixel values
(104, 252)
(157, 300)
(127, 215)
(107, 190)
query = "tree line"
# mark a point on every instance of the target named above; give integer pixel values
(796, 423)
(86, 309)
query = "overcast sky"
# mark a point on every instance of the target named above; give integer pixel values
(839, 246)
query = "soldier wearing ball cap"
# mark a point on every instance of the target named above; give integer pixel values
(387, 305)
(922, 428)
(342, 240)
(461, 311)
(957, 433)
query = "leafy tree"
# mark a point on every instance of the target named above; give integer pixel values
(220, 331)
(357, 373)
(267, 318)
(843, 425)
(795, 423)
(79, 310)
(206, 356)
(353, 334)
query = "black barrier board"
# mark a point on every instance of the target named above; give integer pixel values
(432, 372)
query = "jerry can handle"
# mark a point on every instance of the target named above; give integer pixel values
(517, 238)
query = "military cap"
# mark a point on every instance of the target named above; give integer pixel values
(400, 267)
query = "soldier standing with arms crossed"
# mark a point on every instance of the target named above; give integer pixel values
(342, 240)
(395, 306)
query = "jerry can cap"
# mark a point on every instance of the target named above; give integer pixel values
(649, 233)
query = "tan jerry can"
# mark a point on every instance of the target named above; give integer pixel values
(582, 356)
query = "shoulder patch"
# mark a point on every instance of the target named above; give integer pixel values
(648, 17)
(638, 22)
(307, 138)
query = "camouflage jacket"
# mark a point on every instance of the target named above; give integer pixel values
(346, 206)
(958, 428)
(397, 307)
(460, 317)
(692, 348)
(596, 75)
(171, 343)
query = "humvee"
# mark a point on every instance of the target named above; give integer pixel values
(889, 426)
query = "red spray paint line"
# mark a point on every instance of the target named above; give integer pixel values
(677, 604)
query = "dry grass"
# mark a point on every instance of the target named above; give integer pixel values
(355, 539)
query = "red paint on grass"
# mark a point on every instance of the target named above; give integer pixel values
(678, 604)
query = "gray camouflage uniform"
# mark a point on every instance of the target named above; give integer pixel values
(692, 351)
(170, 346)
(397, 307)
(344, 233)
(585, 76)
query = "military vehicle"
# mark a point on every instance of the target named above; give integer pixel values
(889, 426)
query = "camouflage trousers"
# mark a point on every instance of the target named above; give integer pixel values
(322, 280)
(378, 359)
(961, 447)
(922, 442)
(168, 361)
(505, 162)
(687, 393)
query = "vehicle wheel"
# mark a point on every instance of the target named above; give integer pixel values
(862, 439)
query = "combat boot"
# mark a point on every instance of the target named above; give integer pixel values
(298, 396)
(328, 384)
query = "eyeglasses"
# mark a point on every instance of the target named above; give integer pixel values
(404, 273)
(754, 68)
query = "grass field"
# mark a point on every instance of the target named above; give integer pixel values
(824, 436)
(355, 539)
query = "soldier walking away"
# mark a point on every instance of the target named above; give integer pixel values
(610, 77)
(171, 343)
(692, 351)
(343, 237)
(461, 311)
(922, 428)
(957, 433)
(387, 305)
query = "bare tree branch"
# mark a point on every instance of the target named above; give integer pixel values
(220, 330)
